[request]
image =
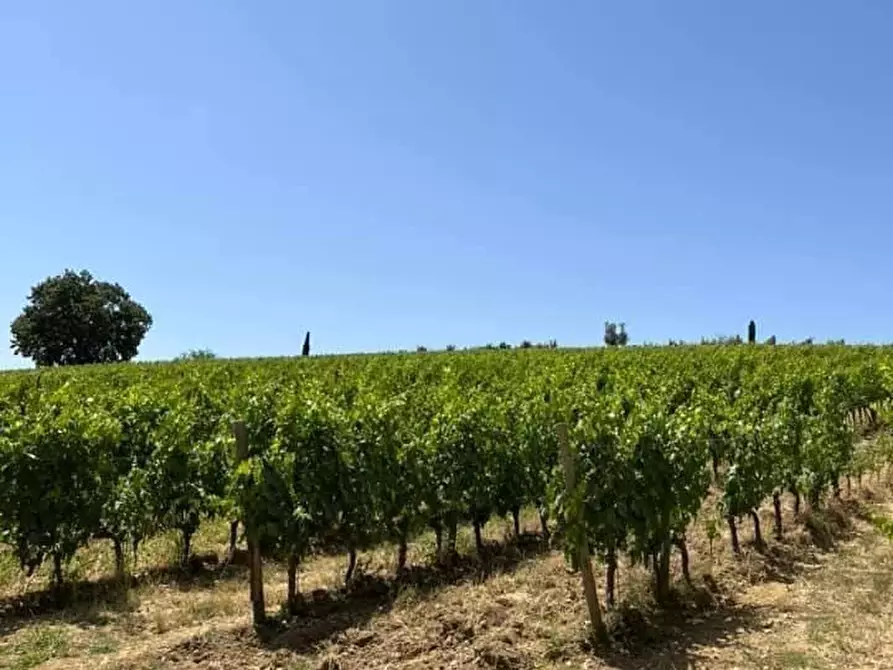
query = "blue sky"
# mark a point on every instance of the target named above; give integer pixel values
(394, 173)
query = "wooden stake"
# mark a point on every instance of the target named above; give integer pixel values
(255, 564)
(582, 549)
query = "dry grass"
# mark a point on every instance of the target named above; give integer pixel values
(819, 599)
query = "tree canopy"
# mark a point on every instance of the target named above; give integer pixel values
(73, 319)
(615, 337)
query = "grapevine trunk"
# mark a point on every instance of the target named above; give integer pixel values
(757, 533)
(733, 534)
(611, 579)
(292, 597)
(776, 505)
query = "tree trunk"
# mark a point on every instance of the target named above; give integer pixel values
(544, 524)
(796, 493)
(516, 520)
(733, 530)
(452, 532)
(611, 579)
(57, 571)
(136, 549)
(233, 538)
(683, 552)
(402, 550)
(757, 533)
(849, 486)
(478, 540)
(292, 583)
(402, 547)
(119, 558)
(815, 494)
(351, 564)
(256, 581)
(835, 485)
(776, 505)
(662, 574)
(187, 547)
(438, 538)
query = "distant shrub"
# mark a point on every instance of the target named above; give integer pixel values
(723, 340)
(196, 355)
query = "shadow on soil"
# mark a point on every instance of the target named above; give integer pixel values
(670, 638)
(89, 603)
(323, 614)
(643, 636)
(816, 533)
(704, 616)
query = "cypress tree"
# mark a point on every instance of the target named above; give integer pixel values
(751, 332)
(305, 350)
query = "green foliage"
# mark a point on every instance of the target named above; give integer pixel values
(53, 460)
(346, 452)
(72, 319)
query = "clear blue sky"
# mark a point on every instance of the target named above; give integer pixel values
(395, 173)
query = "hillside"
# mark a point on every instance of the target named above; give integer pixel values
(413, 510)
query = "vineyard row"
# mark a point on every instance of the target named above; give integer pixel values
(345, 453)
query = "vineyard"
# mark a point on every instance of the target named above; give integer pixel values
(342, 454)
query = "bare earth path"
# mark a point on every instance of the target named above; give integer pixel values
(837, 614)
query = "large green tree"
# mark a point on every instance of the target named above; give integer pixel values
(73, 319)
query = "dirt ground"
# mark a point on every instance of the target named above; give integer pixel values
(821, 598)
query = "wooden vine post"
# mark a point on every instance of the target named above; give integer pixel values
(569, 466)
(255, 565)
